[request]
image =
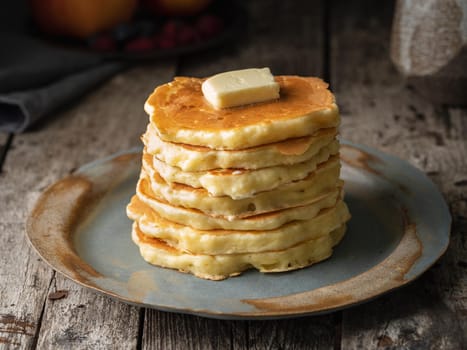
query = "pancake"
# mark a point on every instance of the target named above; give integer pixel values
(254, 186)
(199, 220)
(218, 267)
(181, 114)
(243, 183)
(197, 158)
(186, 238)
(325, 179)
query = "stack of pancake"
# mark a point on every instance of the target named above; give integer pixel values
(255, 186)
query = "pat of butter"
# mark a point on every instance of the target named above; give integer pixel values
(240, 87)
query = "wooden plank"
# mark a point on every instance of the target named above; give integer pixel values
(83, 319)
(5, 144)
(196, 333)
(24, 279)
(287, 37)
(317, 332)
(3, 138)
(107, 120)
(379, 109)
(451, 277)
(164, 330)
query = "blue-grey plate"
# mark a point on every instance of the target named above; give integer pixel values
(400, 226)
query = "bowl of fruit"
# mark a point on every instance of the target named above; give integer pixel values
(135, 30)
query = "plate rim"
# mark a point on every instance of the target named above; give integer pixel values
(367, 152)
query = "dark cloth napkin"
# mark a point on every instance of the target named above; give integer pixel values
(37, 77)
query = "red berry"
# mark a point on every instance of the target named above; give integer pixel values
(140, 45)
(209, 25)
(171, 28)
(187, 35)
(103, 42)
(166, 42)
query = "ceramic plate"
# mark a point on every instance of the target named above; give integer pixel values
(400, 226)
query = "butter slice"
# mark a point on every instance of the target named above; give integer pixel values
(240, 87)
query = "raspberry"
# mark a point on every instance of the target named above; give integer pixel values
(140, 45)
(166, 43)
(171, 28)
(187, 35)
(209, 25)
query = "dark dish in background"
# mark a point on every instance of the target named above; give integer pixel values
(133, 29)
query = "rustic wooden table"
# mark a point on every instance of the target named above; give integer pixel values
(345, 44)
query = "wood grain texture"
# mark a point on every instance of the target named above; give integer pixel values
(285, 36)
(450, 275)
(379, 109)
(24, 279)
(84, 319)
(108, 120)
(164, 330)
(5, 144)
(316, 332)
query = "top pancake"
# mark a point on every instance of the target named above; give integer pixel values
(181, 114)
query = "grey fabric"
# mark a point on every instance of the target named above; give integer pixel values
(37, 78)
